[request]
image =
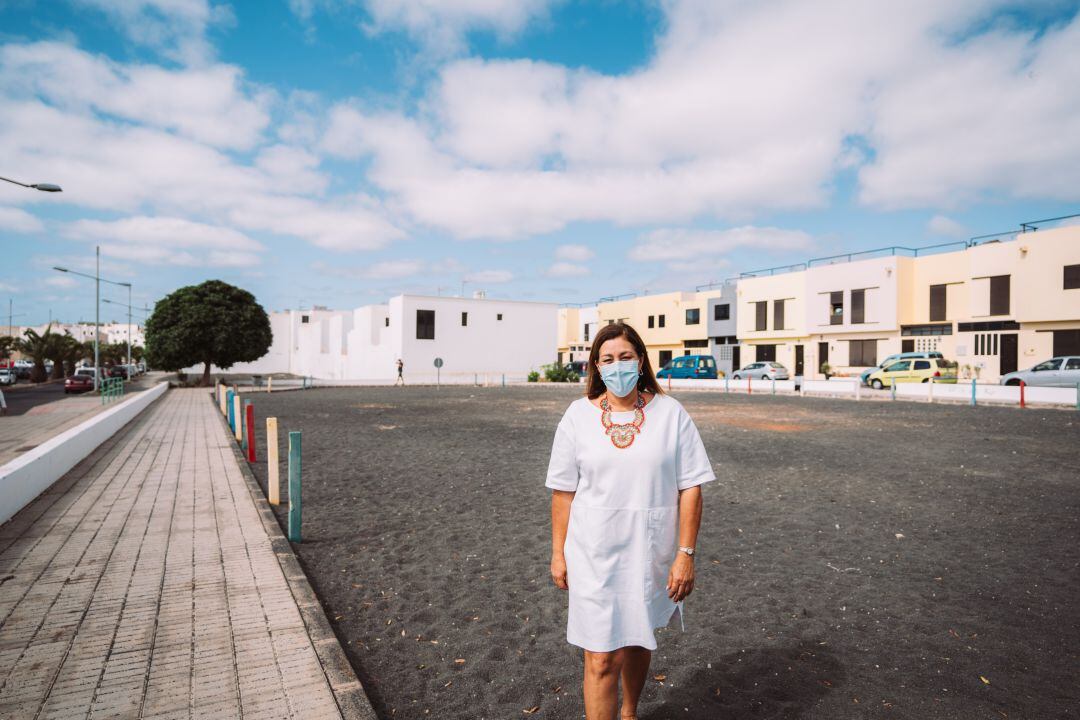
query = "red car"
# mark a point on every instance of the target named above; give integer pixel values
(78, 384)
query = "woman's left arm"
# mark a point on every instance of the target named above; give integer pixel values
(681, 575)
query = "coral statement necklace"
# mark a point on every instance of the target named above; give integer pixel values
(622, 434)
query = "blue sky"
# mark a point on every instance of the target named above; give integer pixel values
(338, 152)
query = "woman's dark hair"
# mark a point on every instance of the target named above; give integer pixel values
(594, 384)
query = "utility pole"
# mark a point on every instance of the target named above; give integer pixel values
(97, 317)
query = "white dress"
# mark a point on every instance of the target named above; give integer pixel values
(623, 531)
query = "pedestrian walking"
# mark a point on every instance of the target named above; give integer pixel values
(625, 469)
(400, 373)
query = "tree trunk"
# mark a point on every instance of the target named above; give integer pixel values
(57, 370)
(206, 374)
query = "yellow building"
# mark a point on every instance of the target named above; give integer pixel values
(576, 328)
(670, 324)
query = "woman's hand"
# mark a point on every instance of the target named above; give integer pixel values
(558, 571)
(681, 577)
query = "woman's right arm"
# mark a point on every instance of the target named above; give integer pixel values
(560, 519)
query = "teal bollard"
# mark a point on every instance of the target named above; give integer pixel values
(974, 401)
(243, 417)
(295, 502)
(232, 419)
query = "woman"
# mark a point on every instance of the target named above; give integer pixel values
(625, 470)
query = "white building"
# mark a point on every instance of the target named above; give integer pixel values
(476, 338)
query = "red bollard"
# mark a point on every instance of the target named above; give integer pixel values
(1022, 385)
(251, 432)
(749, 390)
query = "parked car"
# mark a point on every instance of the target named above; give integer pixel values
(702, 367)
(118, 371)
(78, 384)
(864, 377)
(914, 370)
(761, 371)
(8, 376)
(575, 366)
(1062, 371)
(86, 371)
(23, 371)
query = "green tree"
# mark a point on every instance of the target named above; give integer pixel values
(37, 347)
(213, 323)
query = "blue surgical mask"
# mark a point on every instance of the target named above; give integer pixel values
(621, 376)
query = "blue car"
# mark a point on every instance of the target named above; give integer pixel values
(864, 377)
(689, 366)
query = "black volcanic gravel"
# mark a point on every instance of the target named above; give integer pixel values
(856, 560)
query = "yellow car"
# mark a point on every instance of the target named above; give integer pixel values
(914, 370)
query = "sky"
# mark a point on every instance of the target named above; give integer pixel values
(340, 152)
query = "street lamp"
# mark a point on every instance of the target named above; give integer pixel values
(43, 187)
(96, 277)
(106, 300)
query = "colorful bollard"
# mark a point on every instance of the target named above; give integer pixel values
(229, 414)
(1022, 386)
(295, 503)
(1078, 397)
(244, 427)
(238, 430)
(273, 483)
(774, 386)
(892, 389)
(727, 386)
(974, 400)
(749, 391)
(249, 420)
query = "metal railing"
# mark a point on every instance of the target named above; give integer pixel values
(112, 389)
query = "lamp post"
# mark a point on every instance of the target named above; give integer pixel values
(10, 317)
(96, 277)
(112, 302)
(43, 187)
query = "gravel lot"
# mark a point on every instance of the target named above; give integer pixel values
(856, 560)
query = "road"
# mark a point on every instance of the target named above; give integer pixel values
(25, 396)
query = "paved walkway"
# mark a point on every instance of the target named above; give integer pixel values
(143, 584)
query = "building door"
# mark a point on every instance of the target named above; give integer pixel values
(665, 357)
(1008, 348)
(907, 345)
(1066, 342)
(558, 360)
(799, 360)
(822, 354)
(736, 362)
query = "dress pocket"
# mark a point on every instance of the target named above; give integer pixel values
(663, 534)
(608, 551)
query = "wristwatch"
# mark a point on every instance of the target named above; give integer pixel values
(688, 550)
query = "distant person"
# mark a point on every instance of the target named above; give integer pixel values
(625, 468)
(400, 373)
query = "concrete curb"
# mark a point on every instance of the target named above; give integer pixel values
(34, 472)
(352, 699)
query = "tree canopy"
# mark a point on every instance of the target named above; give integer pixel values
(213, 323)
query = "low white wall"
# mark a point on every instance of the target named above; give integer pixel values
(1000, 394)
(31, 474)
(728, 385)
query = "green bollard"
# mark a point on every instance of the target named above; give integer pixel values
(243, 424)
(295, 502)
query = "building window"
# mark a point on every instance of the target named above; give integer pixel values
(988, 326)
(693, 316)
(386, 322)
(999, 295)
(696, 343)
(665, 357)
(610, 322)
(425, 325)
(937, 303)
(1072, 277)
(925, 330)
(464, 319)
(765, 353)
(303, 318)
(778, 314)
(660, 321)
(722, 312)
(498, 316)
(862, 353)
(761, 310)
(836, 308)
(858, 307)
(586, 332)
(652, 320)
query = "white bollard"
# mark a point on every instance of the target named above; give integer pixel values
(930, 391)
(237, 409)
(270, 384)
(273, 488)
(858, 390)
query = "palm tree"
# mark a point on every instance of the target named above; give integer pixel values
(38, 348)
(66, 354)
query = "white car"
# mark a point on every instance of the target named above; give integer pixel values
(1061, 371)
(8, 376)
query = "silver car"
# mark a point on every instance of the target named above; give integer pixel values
(8, 376)
(1063, 371)
(761, 371)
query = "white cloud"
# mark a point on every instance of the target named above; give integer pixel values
(385, 270)
(744, 109)
(681, 244)
(162, 231)
(20, 221)
(566, 269)
(941, 225)
(60, 281)
(492, 277)
(441, 25)
(176, 28)
(8, 287)
(574, 253)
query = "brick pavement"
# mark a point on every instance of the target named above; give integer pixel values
(144, 584)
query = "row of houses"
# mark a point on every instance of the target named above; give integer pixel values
(111, 332)
(993, 306)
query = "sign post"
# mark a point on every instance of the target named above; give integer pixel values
(438, 372)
